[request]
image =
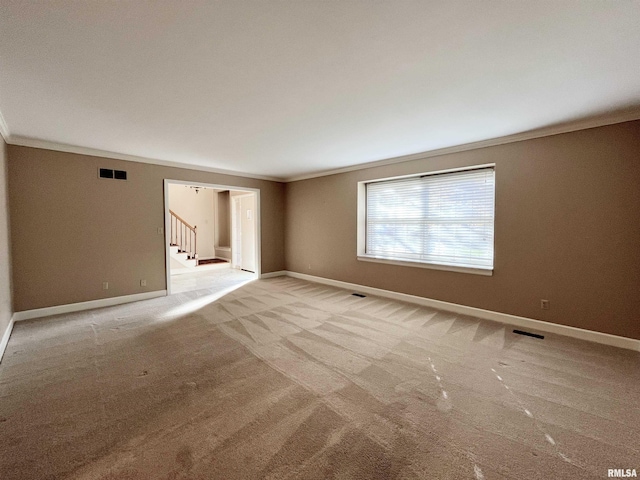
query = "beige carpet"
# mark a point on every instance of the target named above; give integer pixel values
(288, 379)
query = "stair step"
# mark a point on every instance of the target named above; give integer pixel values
(182, 256)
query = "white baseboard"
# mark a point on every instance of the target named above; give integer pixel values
(5, 337)
(76, 307)
(280, 273)
(524, 322)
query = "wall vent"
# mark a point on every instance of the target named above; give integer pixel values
(105, 173)
(110, 173)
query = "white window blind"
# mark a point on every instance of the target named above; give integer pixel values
(445, 219)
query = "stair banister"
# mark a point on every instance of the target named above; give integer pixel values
(183, 235)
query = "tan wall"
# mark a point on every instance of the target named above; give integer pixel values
(567, 230)
(197, 209)
(70, 231)
(6, 310)
(223, 220)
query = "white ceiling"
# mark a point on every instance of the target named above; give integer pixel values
(286, 88)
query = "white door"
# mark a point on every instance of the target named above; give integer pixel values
(236, 234)
(248, 232)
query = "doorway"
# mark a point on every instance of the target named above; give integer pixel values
(243, 232)
(207, 228)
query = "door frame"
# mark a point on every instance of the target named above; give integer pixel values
(234, 222)
(167, 222)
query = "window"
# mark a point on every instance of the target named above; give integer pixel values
(435, 220)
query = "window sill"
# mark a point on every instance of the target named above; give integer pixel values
(434, 266)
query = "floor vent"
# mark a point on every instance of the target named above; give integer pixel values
(358, 295)
(528, 334)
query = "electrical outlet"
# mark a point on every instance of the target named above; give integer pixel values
(143, 283)
(105, 285)
(309, 266)
(544, 304)
(160, 230)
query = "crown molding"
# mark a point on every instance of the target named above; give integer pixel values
(584, 124)
(62, 147)
(4, 129)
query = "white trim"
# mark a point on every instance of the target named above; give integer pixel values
(528, 323)
(621, 117)
(434, 266)
(61, 147)
(234, 206)
(242, 195)
(466, 168)
(220, 251)
(5, 337)
(361, 222)
(167, 222)
(91, 304)
(280, 273)
(4, 130)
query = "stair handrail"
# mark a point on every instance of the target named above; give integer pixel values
(185, 242)
(182, 220)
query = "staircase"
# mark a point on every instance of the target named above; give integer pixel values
(183, 240)
(182, 248)
(182, 257)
